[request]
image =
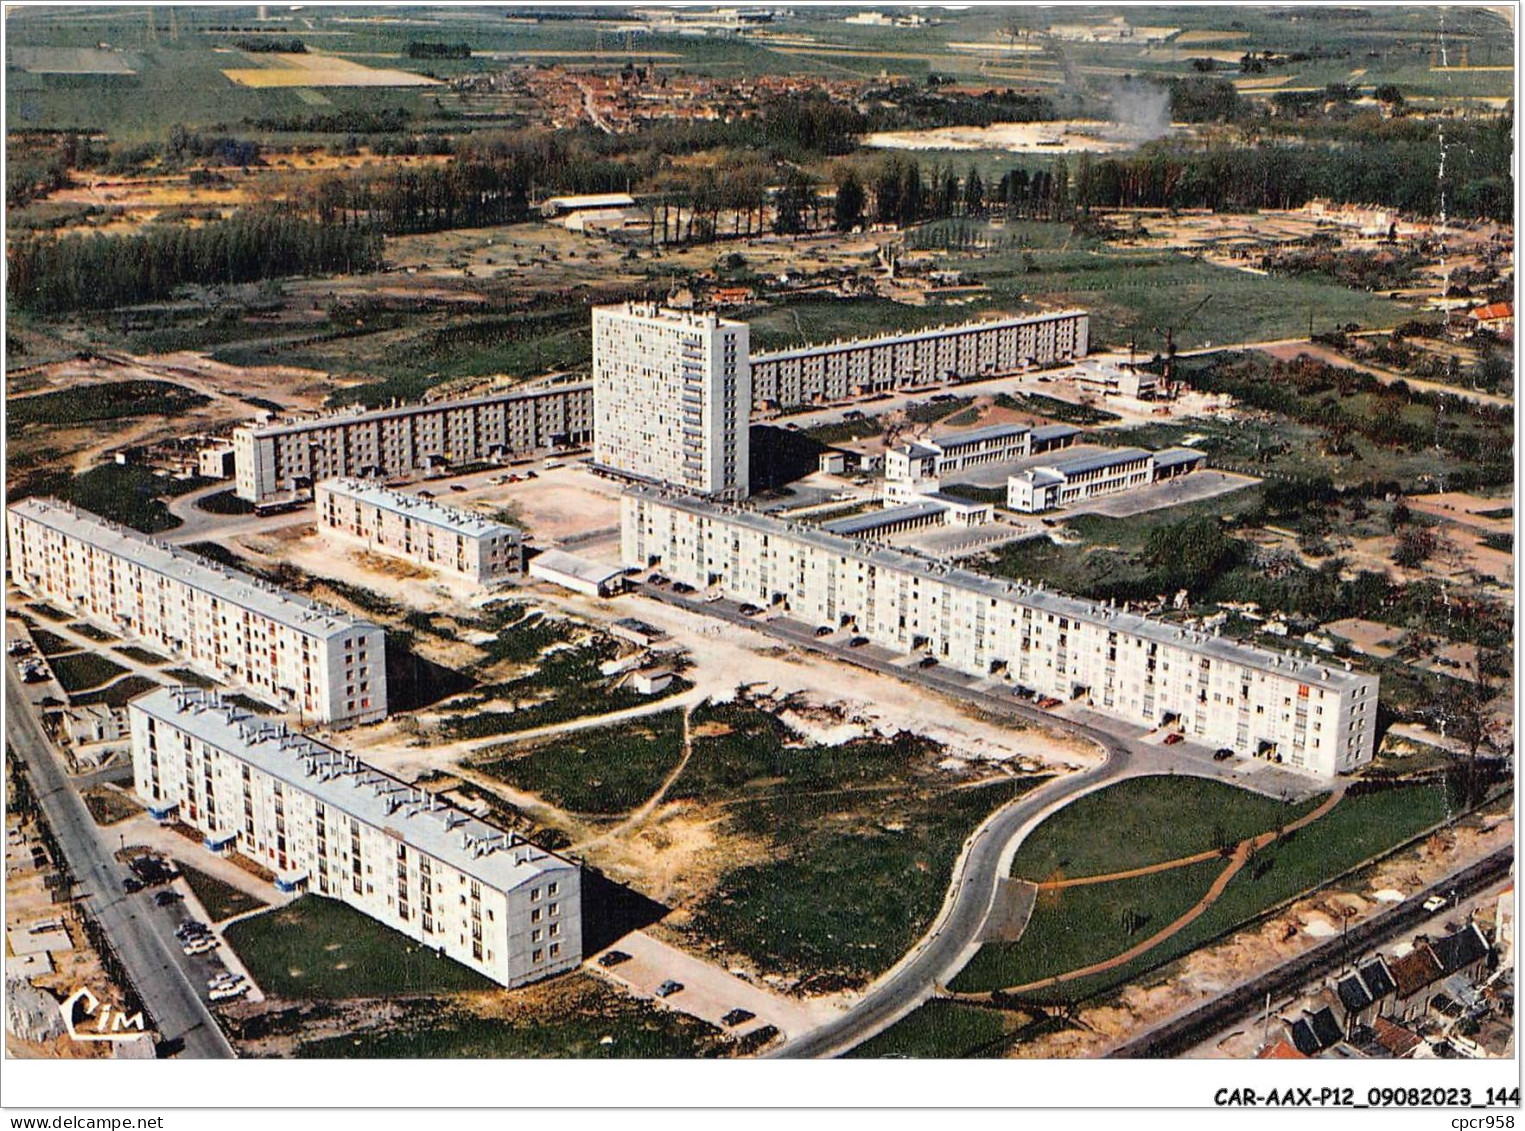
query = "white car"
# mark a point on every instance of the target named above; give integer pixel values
(200, 945)
(1435, 903)
(226, 993)
(226, 978)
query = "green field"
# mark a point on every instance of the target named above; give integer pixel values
(118, 694)
(1149, 820)
(141, 655)
(131, 495)
(1075, 927)
(108, 806)
(80, 671)
(1358, 828)
(319, 948)
(602, 770)
(222, 900)
(597, 1023)
(943, 1030)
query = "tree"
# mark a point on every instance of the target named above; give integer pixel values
(850, 202)
(1389, 94)
(974, 193)
(794, 199)
(1416, 545)
(1191, 554)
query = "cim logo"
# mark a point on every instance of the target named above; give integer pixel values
(110, 1024)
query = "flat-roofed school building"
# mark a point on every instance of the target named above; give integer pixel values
(278, 461)
(282, 647)
(418, 530)
(1314, 716)
(325, 822)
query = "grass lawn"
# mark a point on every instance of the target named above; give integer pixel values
(225, 502)
(108, 806)
(90, 632)
(574, 1028)
(109, 401)
(81, 670)
(1357, 829)
(1143, 821)
(320, 948)
(52, 644)
(118, 693)
(942, 1029)
(221, 900)
(131, 495)
(52, 614)
(142, 655)
(1074, 927)
(190, 678)
(601, 770)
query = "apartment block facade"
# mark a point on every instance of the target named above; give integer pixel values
(864, 366)
(281, 460)
(324, 822)
(281, 647)
(1316, 717)
(419, 530)
(672, 398)
(937, 456)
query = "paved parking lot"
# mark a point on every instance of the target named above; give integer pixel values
(709, 991)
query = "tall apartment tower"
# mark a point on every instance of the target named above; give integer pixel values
(672, 395)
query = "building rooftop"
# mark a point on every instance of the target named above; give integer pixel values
(343, 782)
(223, 582)
(696, 319)
(592, 200)
(877, 520)
(914, 450)
(453, 519)
(1293, 666)
(980, 435)
(1045, 432)
(915, 335)
(584, 569)
(362, 415)
(1171, 457)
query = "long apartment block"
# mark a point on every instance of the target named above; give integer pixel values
(279, 460)
(965, 352)
(282, 647)
(454, 541)
(671, 398)
(1317, 717)
(936, 456)
(324, 822)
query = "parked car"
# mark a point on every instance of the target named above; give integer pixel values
(457, 487)
(656, 579)
(190, 925)
(750, 610)
(1048, 702)
(200, 945)
(711, 598)
(1222, 754)
(824, 630)
(227, 993)
(737, 1017)
(224, 978)
(683, 587)
(165, 898)
(1174, 737)
(132, 884)
(1434, 903)
(669, 987)
(18, 647)
(927, 662)
(857, 642)
(612, 958)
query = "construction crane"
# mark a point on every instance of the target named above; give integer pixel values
(1169, 334)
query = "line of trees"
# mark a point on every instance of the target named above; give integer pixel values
(52, 275)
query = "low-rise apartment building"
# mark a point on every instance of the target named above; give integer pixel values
(966, 352)
(237, 629)
(419, 530)
(1316, 717)
(936, 456)
(1103, 473)
(322, 821)
(280, 460)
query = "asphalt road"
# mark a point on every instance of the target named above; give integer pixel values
(142, 934)
(941, 953)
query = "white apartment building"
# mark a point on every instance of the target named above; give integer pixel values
(281, 647)
(326, 823)
(278, 461)
(672, 398)
(969, 351)
(937, 456)
(1317, 717)
(419, 530)
(1103, 473)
